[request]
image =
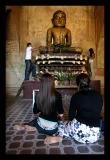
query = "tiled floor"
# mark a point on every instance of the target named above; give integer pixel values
(22, 142)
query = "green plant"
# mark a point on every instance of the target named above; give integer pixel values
(71, 77)
(60, 76)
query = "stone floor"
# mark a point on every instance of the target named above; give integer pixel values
(21, 142)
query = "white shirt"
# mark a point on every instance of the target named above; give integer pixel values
(28, 53)
(90, 60)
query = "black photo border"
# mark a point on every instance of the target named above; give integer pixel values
(3, 78)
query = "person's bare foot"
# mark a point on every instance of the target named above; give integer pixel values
(24, 127)
(19, 127)
(30, 128)
(52, 139)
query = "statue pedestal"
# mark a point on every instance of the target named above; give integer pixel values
(29, 87)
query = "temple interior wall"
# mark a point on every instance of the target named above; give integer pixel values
(30, 23)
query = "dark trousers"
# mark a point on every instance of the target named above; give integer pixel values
(29, 66)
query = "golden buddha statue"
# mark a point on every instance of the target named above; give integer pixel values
(58, 36)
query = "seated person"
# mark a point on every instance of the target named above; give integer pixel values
(84, 115)
(48, 106)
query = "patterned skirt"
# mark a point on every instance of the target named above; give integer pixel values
(78, 131)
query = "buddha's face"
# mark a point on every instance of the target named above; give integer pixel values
(59, 20)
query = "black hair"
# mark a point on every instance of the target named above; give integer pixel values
(46, 97)
(83, 81)
(28, 44)
(91, 51)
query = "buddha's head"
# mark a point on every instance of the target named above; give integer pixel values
(59, 19)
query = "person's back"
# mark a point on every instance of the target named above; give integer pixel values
(48, 103)
(88, 104)
(57, 108)
(28, 52)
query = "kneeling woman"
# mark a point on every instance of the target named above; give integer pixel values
(48, 104)
(84, 115)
